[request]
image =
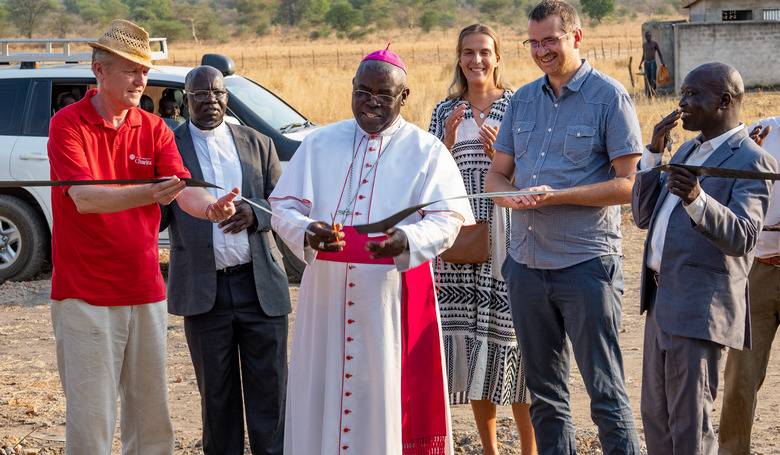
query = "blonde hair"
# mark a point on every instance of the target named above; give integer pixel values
(459, 85)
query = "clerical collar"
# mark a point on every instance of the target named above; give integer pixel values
(219, 131)
(389, 131)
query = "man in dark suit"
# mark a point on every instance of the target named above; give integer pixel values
(228, 281)
(697, 257)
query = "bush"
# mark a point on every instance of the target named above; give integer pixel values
(342, 16)
(597, 9)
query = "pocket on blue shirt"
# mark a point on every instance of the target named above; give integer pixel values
(578, 144)
(521, 132)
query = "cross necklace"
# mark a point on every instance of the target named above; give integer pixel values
(347, 210)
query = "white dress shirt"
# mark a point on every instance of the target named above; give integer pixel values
(768, 243)
(695, 209)
(220, 165)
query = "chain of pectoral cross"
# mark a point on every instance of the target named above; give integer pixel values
(347, 210)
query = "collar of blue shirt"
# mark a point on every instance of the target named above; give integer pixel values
(575, 83)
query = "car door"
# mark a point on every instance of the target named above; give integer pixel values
(13, 94)
(30, 160)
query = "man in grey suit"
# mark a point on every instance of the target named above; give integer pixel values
(228, 280)
(697, 257)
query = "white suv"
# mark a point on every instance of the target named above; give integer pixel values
(29, 94)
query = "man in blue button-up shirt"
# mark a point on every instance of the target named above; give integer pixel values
(573, 129)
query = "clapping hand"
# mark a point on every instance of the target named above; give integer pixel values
(451, 125)
(487, 136)
(759, 133)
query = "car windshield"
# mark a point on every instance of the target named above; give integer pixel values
(265, 104)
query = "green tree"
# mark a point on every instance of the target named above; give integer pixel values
(429, 20)
(252, 16)
(597, 9)
(342, 16)
(495, 9)
(27, 15)
(98, 12)
(199, 17)
(298, 12)
(378, 12)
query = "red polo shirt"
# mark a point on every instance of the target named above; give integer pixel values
(107, 259)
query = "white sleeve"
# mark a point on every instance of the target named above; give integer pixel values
(440, 222)
(696, 208)
(428, 238)
(291, 203)
(649, 159)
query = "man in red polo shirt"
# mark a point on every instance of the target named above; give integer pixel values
(108, 310)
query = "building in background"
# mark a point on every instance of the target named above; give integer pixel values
(742, 33)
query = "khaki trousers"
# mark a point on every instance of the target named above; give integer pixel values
(745, 370)
(109, 352)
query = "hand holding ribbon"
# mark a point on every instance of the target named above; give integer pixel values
(395, 244)
(166, 191)
(325, 237)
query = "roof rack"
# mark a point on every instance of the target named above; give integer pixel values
(29, 59)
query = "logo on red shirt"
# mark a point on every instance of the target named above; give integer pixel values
(140, 160)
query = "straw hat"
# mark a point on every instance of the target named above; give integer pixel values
(127, 40)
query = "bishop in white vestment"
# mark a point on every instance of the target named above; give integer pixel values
(366, 372)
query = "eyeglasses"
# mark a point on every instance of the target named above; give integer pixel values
(382, 99)
(205, 95)
(545, 43)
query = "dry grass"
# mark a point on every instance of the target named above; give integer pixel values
(314, 76)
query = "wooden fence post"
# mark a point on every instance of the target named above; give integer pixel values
(338, 58)
(603, 52)
(630, 74)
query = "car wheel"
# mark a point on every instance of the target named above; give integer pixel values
(24, 243)
(292, 265)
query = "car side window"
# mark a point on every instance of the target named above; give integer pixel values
(36, 120)
(13, 93)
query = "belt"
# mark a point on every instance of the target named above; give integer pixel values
(235, 269)
(772, 260)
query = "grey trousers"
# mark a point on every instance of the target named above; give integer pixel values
(679, 384)
(105, 352)
(746, 370)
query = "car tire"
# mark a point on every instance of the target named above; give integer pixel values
(23, 232)
(292, 265)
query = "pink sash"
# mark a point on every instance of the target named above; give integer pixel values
(423, 409)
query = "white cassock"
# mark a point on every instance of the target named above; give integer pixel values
(344, 390)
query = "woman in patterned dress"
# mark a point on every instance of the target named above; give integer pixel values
(483, 359)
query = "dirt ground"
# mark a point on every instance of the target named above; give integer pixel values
(32, 404)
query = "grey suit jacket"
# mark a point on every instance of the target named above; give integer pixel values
(192, 278)
(703, 286)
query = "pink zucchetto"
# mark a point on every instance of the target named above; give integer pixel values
(388, 56)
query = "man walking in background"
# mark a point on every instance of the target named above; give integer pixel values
(648, 63)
